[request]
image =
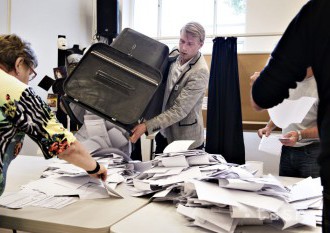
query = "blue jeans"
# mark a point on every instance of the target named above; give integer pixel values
(300, 161)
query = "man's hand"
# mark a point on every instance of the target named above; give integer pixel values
(264, 131)
(291, 138)
(137, 132)
(254, 77)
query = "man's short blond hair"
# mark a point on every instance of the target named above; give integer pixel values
(195, 29)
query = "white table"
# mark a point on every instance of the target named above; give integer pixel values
(83, 216)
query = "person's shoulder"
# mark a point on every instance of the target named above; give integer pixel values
(12, 84)
(201, 61)
(174, 52)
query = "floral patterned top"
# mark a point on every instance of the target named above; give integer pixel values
(23, 112)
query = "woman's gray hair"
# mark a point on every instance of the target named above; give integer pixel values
(13, 47)
(195, 29)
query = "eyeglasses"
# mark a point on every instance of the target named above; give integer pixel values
(33, 74)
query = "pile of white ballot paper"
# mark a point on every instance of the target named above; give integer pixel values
(219, 196)
(208, 191)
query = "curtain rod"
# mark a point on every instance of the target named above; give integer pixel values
(227, 35)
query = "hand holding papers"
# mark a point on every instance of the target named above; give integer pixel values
(282, 115)
(284, 140)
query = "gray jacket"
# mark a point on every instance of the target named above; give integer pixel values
(182, 118)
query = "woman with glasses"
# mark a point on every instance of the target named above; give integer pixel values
(23, 112)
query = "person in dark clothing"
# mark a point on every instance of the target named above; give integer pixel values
(306, 42)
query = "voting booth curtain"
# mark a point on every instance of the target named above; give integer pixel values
(224, 130)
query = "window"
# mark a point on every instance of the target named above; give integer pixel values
(258, 24)
(176, 13)
(146, 17)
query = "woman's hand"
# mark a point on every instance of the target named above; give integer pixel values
(101, 174)
(76, 154)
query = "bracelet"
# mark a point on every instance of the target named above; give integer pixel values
(299, 135)
(96, 170)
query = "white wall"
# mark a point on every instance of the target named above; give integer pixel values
(4, 16)
(268, 17)
(40, 22)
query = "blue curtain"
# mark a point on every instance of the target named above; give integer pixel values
(224, 131)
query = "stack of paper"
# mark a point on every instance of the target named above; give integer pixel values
(62, 184)
(221, 206)
(175, 167)
(306, 197)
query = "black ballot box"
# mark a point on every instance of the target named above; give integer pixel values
(124, 82)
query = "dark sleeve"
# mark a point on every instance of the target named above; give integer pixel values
(288, 62)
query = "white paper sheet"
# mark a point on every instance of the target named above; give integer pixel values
(177, 146)
(213, 193)
(177, 161)
(92, 191)
(208, 219)
(171, 171)
(21, 199)
(271, 144)
(249, 212)
(239, 184)
(198, 160)
(190, 173)
(305, 189)
(289, 215)
(97, 127)
(291, 111)
(111, 191)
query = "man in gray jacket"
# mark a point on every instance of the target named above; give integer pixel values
(188, 76)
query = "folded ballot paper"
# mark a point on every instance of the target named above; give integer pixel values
(110, 190)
